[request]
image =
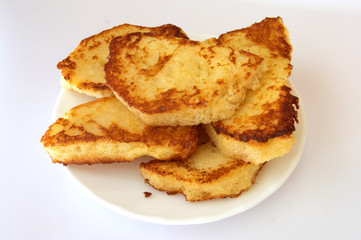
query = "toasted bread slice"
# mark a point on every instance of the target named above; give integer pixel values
(83, 69)
(207, 174)
(105, 131)
(169, 81)
(262, 128)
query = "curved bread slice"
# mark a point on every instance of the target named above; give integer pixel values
(105, 131)
(262, 128)
(268, 39)
(83, 69)
(207, 174)
(171, 81)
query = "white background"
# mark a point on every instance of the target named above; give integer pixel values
(321, 199)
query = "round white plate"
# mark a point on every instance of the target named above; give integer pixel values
(120, 187)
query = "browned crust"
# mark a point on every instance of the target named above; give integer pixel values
(194, 176)
(93, 85)
(166, 29)
(170, 100)
(182, 139)
(208, 197)
(278, 119)
(155, 166)
(68, 65)
(90, 161)
(269, 33)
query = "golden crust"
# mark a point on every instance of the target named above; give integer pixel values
(263, 126)
(83, 69)
(277, 119)
(268, 39)
(179, 81)
(105, 128)
(251, 151)
(269, 33)
(172, 136)
(207, 174)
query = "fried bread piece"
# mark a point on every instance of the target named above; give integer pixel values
(262, 128)
(83, 69)
(105, 131)
(169, 81)
(207, 174)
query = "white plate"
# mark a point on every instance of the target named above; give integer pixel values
(120, 187)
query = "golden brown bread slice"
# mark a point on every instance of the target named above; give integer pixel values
(83, 69)
(207, 174)
(170, 81)
(262, 128)
(105, 131)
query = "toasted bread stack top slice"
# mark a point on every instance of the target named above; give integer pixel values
(105, 131)
(207, 174)
(169, 81)
(83, 69)
(262, 129)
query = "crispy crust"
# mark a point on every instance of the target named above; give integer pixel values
(263, 126)
(166, 29)
(67, 133)
(229, 178)
(204, 197)
(126, 75)
(164, 101)
(252, 151)
(94, 51)
(170, 100)
(277, 119)
(193, 175)
(270, 33)
(271, 38)
(171, 136)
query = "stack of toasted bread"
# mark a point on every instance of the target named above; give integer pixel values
(210, 113)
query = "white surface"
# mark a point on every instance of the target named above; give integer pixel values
(320, 200)
(120, 186)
